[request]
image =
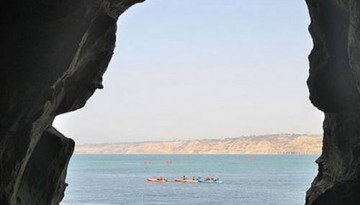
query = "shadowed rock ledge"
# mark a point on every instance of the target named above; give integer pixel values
(334, 89)
(53, 56)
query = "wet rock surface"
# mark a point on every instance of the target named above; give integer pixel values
(53, 56)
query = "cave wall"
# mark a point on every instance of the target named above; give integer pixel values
(334, 88)
(53, 55)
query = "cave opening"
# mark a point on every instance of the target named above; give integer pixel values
(54, 54)
(181, 61)
(200, 66)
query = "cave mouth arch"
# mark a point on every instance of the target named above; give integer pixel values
(182, 63)
(56, 52)
(201, 74)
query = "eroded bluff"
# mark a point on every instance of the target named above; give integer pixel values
(53, 55)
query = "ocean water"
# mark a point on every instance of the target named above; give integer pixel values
(247, 179)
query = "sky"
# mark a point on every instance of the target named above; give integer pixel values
(204, 69)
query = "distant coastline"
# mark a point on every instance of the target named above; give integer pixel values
(260, 144)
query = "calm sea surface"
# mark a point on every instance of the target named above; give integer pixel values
(248, 179)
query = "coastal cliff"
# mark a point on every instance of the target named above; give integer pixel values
(268, 144)
(53, 56)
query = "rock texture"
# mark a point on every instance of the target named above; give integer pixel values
(335, 89)
(267, 144)
(53, 55)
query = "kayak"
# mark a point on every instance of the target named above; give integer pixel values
(211, 181)
(156, 180)
(187, 180)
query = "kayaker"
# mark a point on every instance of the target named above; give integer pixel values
(184, 178)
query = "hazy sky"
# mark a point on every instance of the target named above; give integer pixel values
(185, 69)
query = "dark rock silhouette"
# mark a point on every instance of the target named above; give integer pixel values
(53, 56)
(334, 89)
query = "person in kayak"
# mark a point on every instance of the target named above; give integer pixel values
(184, 178)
